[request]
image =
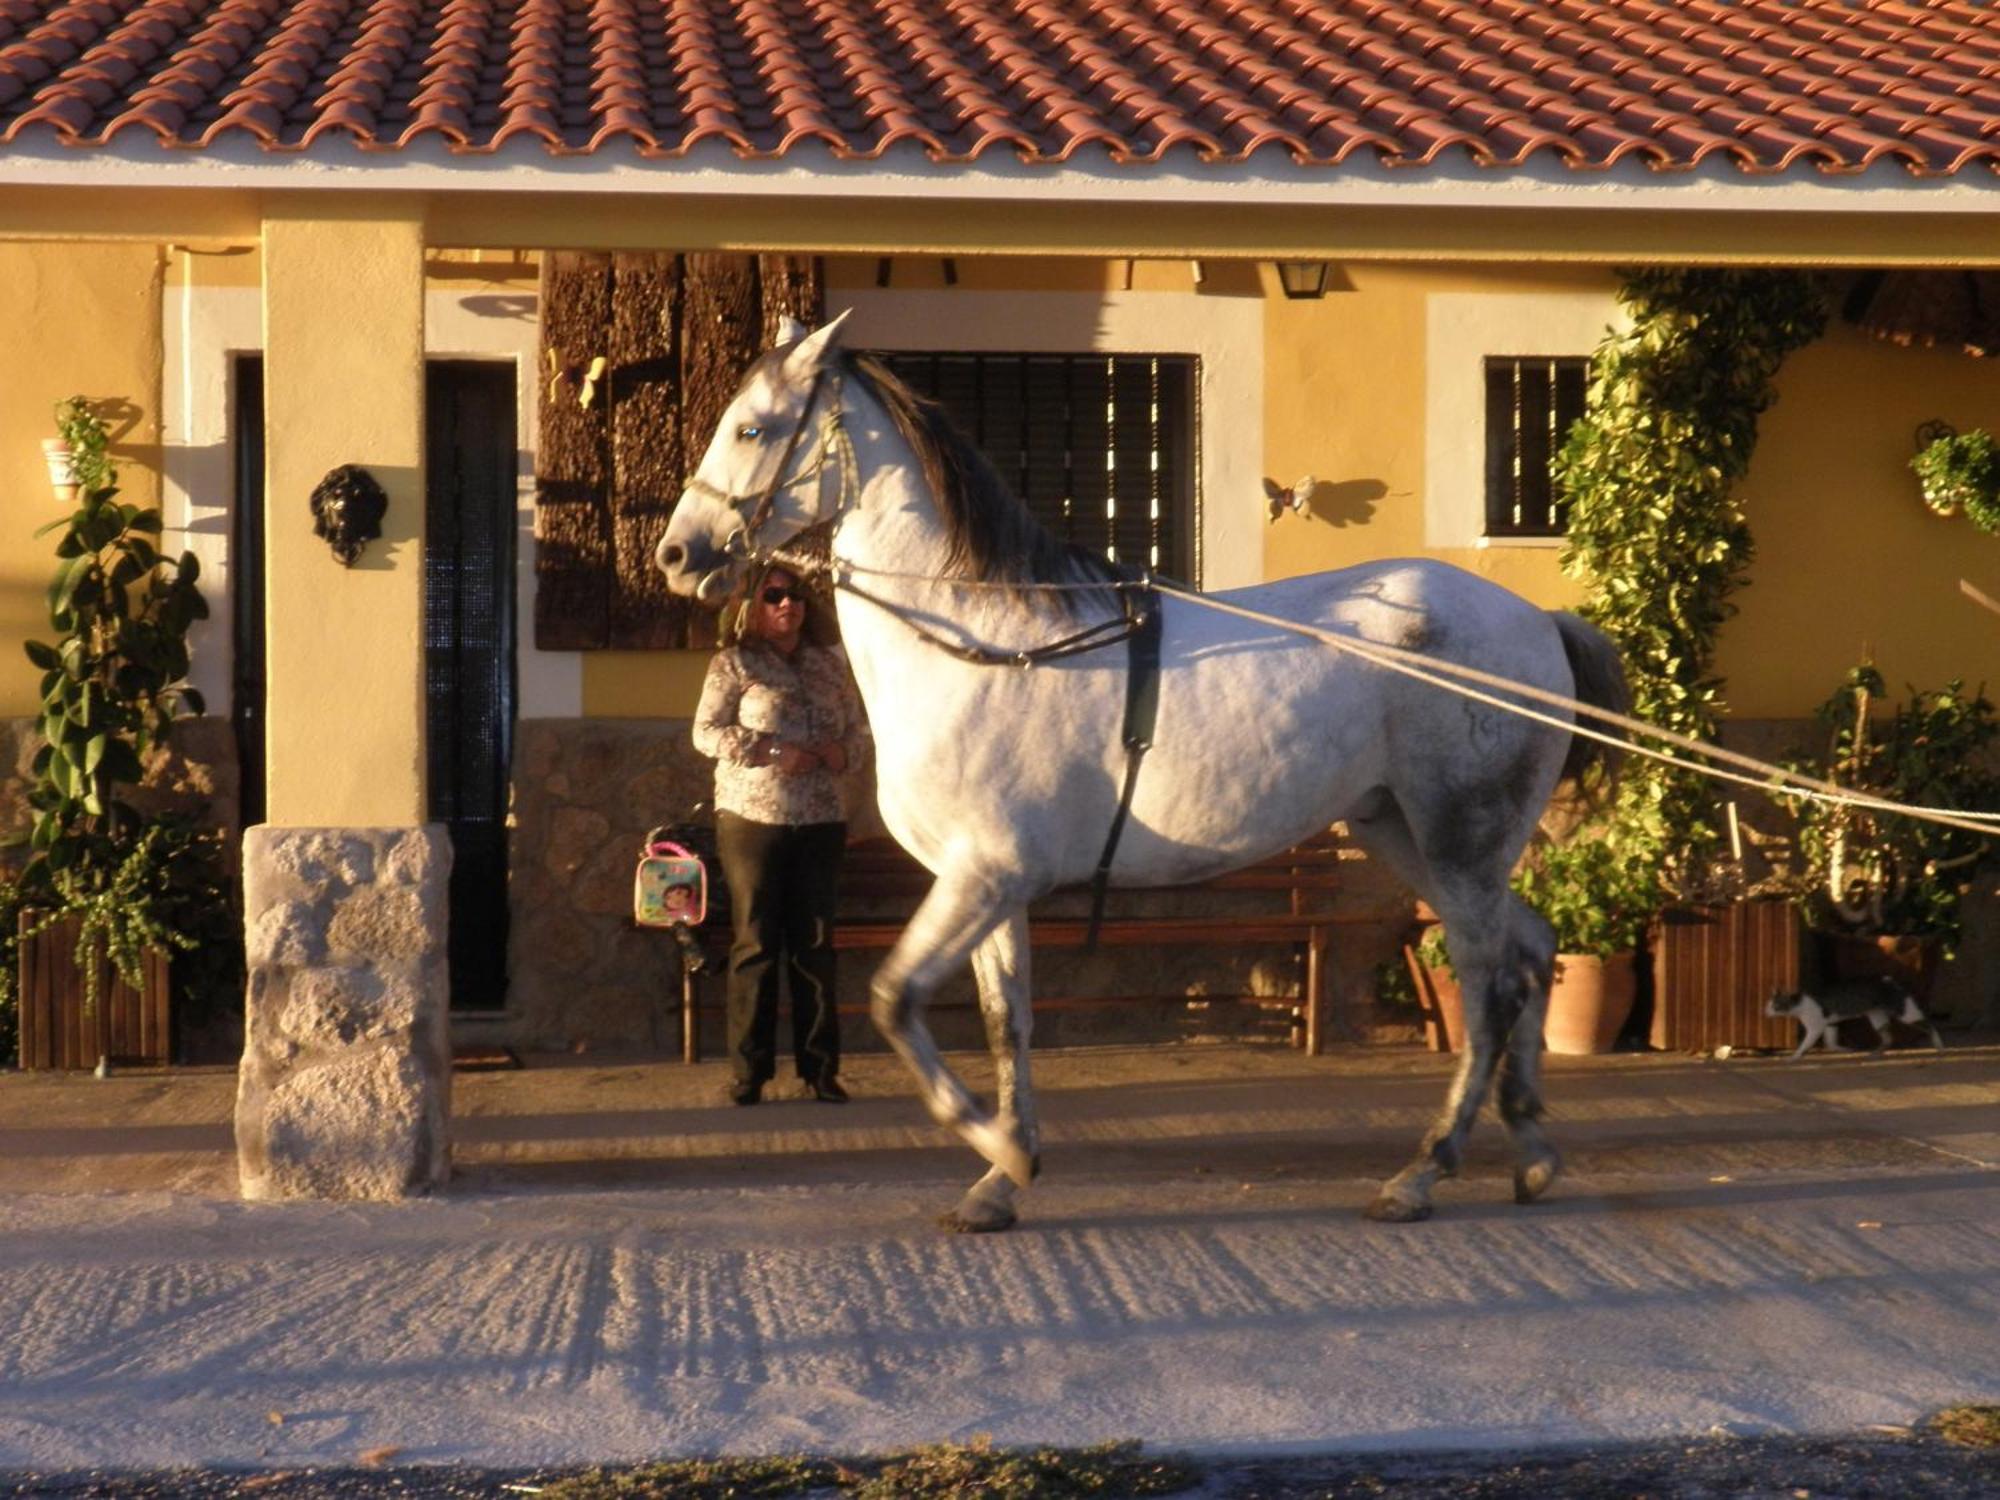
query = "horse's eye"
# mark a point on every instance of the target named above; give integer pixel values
(749, 434)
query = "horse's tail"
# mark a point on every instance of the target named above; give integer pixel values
(1599, 674)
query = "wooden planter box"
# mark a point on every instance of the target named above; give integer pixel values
(128, 1026)
(1713, 969)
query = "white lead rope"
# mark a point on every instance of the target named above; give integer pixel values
(1770, 779)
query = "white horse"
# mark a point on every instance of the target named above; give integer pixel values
(1003, 782)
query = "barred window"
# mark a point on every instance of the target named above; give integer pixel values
(1531, 402)
(1101, 447)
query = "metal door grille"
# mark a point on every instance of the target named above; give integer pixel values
(469, 521)
(1531, 402)
(1101, 447)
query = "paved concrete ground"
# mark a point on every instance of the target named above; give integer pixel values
(629, 1267)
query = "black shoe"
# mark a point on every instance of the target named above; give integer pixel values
(746, 1091)
(828, 1091)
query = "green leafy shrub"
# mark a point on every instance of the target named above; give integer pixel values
(113, 683)
(1869, 873)
(1658, 530)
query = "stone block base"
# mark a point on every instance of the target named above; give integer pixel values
(345, 1086)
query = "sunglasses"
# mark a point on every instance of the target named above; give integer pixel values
(778, 595)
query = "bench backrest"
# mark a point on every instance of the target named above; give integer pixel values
(878, 871)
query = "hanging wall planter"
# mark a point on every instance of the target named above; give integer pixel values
(1959, 471)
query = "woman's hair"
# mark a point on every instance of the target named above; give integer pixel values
(740, 608)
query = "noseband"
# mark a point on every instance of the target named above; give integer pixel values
(755, 508)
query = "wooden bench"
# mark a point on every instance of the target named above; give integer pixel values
(880, 886)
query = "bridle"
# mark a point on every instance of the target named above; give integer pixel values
(754, 508)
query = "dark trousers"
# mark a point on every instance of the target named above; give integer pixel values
(781, 892)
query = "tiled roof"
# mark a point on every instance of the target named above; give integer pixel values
(1766, 86)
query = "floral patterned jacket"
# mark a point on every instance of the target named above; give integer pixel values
(809, 697)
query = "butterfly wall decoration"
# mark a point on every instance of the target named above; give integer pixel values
(1295, 499)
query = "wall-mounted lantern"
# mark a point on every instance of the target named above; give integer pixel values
(347, 508)
(1303, 280)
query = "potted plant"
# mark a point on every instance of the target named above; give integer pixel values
(1886, 892)
(1439, 999)
(1960, 471)
(103, 883)
(1598, 886)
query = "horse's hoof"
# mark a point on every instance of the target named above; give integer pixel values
(958, 1223)
(1388, 1209)
(1536, 1178)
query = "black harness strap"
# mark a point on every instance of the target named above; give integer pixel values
(1142, 713)
(1139, 627)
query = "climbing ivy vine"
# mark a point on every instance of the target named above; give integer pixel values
(1658, 530)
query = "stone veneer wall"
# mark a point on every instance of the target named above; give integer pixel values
(345, 1085)
(586, 791)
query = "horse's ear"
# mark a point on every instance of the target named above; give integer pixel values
(813, 351)
(790, 330)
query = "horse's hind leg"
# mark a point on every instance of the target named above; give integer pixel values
(1001, 965)
(955, 917)
(1492, 1004)
(1502, 953)
(1537, 1163)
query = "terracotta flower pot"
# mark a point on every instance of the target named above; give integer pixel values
(1588, 1002)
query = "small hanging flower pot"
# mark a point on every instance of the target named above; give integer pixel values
(1961, 472)
(62, 468)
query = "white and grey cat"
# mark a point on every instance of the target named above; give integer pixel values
(1821, 1009)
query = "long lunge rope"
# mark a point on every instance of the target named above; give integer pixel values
(1481, 687)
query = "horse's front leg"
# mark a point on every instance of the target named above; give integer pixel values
(953, 920)
(1001, 965)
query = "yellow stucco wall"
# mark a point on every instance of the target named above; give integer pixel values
(1345, 401)
(344, 384)
(1848, 558)
(79, 320)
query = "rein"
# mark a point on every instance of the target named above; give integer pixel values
(833, 441)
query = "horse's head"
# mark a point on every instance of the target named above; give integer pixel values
(759, 482)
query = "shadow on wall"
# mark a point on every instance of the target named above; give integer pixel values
(1349, 502)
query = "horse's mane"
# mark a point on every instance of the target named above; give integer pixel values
(990, 535)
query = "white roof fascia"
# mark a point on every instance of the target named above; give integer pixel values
(906, 172)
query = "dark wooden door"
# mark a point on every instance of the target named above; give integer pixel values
(246, 569)
(469, 676)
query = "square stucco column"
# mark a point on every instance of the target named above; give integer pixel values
(345, 1085)
(344, 384)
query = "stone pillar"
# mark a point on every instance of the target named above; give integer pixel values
(345, 1086)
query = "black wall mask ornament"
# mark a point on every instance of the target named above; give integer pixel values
(347, 508)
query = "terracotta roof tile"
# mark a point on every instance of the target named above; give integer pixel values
(1770, 86)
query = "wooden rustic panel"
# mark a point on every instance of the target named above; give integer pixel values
(573, 534)
(131, 1027)
(720, 335)
(1713, 969)
(648, 461)
(790, 286)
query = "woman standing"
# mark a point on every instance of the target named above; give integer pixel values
(781, 720)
